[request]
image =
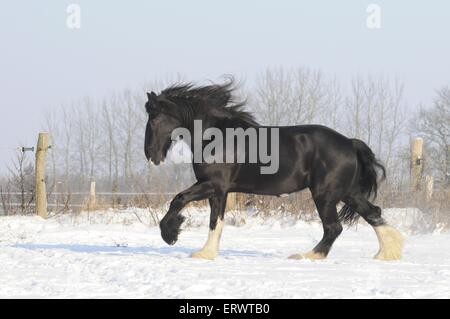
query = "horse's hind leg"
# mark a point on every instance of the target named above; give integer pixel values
(389, 238)
(211, 248)
(332, 228)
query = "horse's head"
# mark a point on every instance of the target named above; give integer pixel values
(179, 105)
(162, 120)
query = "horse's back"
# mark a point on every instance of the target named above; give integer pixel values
(303, 151)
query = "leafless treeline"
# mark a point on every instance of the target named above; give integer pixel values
(103, 140)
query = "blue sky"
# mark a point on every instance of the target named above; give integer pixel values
(124, 43)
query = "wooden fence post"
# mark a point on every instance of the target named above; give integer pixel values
(429, 184)
(416, 164)
(92, 197)
(41, 191)
(231, 202)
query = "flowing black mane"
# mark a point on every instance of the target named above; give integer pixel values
(214, 100)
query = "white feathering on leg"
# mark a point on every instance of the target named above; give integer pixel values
(391, 243)
(211, 248)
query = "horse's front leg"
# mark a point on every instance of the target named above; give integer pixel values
(170, 224)
(211, 248)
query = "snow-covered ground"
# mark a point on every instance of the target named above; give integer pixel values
(116, 254)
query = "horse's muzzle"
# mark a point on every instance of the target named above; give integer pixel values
(147, 153)
(153, 156)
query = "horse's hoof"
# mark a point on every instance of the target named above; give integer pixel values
(204, 254)
(310, 255)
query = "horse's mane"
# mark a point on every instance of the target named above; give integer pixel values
(216, 100)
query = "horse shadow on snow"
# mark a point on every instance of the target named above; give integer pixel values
(130, 250)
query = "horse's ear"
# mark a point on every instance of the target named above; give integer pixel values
(151, 96)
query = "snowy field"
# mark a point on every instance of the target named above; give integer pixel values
(118, 255)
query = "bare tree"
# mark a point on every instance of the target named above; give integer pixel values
(6, 196)
(110, 127)
(292, 96)
(354, 104)
(332, 109)
(19, 185)
(374, 114)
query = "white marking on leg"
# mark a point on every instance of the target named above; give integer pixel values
(391, 243)
(211, 248)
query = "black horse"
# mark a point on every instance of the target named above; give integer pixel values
(335, 168)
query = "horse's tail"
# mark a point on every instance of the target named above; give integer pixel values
(368, 178)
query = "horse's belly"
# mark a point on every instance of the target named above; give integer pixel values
(272, 184)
